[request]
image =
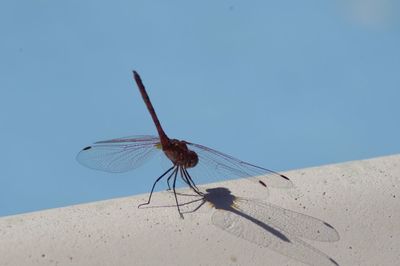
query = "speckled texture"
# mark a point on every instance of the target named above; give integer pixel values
(360, 199)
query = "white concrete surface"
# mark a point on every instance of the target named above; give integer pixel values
(359, 199)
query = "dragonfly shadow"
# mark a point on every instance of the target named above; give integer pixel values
(269, 225)
(222, 199)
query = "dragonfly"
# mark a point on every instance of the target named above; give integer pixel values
(127, 153)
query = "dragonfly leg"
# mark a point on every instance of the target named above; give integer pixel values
(154, 185)
(186, 180)
(169, 178)
(191, 183)
(173, 187)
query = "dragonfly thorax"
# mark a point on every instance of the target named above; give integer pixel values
(178, 152)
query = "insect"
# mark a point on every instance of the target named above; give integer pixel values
(127, 153)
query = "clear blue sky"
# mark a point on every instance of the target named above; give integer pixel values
(281, 84)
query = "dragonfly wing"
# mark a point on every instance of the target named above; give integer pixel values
(119, 155)
(217, 163)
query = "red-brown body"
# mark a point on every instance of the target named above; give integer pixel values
(178, 152)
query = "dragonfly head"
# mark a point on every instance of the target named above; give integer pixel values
(191, 159)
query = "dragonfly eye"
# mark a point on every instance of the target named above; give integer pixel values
(193, 159)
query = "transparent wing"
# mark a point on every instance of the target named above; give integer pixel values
(119, 155)
(220, 165)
